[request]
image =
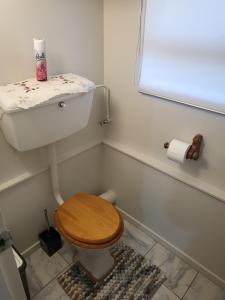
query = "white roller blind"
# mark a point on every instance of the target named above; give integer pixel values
(183, 52)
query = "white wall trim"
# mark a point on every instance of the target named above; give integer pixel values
(78, 150)
(200, 185)
(31, 249)
(18, 179)
(155, 164)
(61, 158)
(178, 252)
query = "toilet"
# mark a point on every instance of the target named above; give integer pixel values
(88, 222)
(92, 225)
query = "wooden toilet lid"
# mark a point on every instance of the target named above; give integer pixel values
(88, 219)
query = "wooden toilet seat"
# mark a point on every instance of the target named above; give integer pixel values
(89, 221)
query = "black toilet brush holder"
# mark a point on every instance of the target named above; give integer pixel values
(50, 239)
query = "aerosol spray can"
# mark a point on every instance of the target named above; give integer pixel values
(40, 57)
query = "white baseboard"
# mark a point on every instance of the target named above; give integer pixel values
(31, 249)
(181, 254)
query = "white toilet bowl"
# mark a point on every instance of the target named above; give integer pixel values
(93, 225)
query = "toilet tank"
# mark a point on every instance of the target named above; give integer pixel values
(27, 129)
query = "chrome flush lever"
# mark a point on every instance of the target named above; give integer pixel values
(61, 104)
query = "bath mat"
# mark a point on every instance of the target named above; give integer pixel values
(133, 277)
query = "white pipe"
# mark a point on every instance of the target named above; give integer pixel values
(54, 174)
(110, 196)
(108, 104)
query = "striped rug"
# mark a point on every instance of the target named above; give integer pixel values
(133, 277)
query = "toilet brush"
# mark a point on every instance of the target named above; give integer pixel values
(46, 218)
(50, 239)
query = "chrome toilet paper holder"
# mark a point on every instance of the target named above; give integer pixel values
(194, 151)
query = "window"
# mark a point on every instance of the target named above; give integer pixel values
(183, 52)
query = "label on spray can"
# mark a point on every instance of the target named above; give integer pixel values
(40, 57)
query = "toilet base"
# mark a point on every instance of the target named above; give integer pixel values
(97, 262)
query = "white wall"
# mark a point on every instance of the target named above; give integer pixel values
(73, 30)
(189, 219)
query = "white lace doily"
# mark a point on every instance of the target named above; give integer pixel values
(28, 93)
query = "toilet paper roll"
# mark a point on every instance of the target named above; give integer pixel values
(177, 151)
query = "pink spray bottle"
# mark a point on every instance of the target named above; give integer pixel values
(40, 57)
